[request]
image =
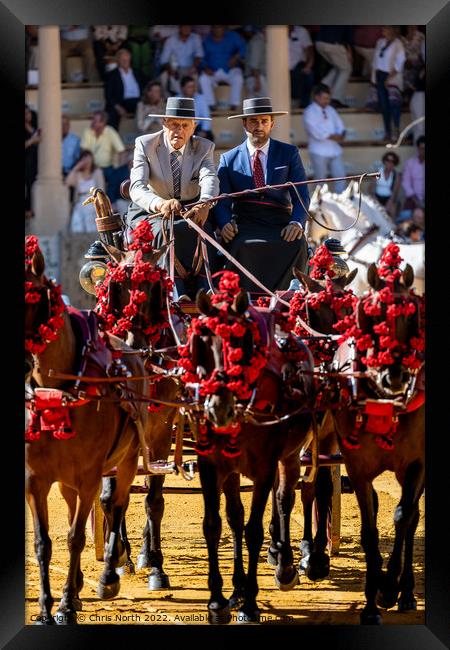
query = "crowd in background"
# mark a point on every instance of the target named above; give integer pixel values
(140, 66)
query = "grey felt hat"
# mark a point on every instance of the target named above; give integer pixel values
(180, 108)
(257, 106)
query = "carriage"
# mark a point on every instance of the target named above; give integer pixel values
(254, 328)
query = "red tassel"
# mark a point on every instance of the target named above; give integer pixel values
(33, 431)
(351, 441)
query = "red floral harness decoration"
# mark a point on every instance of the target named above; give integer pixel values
(237, 377)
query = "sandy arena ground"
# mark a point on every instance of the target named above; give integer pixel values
(337, 600)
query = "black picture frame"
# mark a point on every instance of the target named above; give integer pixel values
(435, 14)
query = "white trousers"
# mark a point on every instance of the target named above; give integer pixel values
(233, 77)
(367, 54)
(339, 74)
(417, 108)
(250, 83)
(327, 165)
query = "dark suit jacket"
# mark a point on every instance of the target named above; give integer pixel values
(114, 87)
(283, 164)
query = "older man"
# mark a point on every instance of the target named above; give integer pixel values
(171, 168)
(123, 88)
(264, 230)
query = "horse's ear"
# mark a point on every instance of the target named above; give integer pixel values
(241, 302)
(38, 263)
(117, 255)
(203, 302)
(373, 278)
(408, 276)
(350, 277)
(308, 282)
(157, 253)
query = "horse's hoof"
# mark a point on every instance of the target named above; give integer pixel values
(107, 592)
(142, 562)
(371, 618)
(218, 615)
(158, 580)
(318, 566)
(245, 617)
(290, 583)
(236, 601)
(66, 618)
(407, 603)
(303, 566)
(272, 556)
(126, 570)
(387, 599)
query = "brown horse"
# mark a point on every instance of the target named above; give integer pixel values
(106, 436)
(365, 458)
(160, 424)
(261, 447)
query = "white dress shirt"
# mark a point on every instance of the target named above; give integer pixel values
(130, 85)
(299, 40)
(184, 51)
(389, 57)
(262, 156)
(320, 123)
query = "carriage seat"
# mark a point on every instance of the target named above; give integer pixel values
(125, 189)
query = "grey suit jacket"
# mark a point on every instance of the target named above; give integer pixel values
(151, 175)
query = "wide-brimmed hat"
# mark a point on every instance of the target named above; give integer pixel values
(181, 108)
(257, 106)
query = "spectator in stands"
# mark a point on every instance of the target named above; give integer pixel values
(32, 139)
(255, 65)
(105, 143)
(141, 48)
(263, 231)
(410, 232)
(413, 181)
(224, 57)
(70, 146)
(417, 102)
(386, 189)
(108, 39)
(364, 40)
(334, 44)
(152, 102)
(181, 55)
(158, 35)
(76, 40)
(301, 61)
(387, 68)
(414, 43)
(418, 217)
(82, 177)
(123, 89)
(189, 89)
(325, 130)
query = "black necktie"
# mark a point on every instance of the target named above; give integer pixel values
(176, 173)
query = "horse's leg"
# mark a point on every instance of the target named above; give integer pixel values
(128, 567)
(109, 583)
(235, 518)
(306, 545)
(151, 555)
(254, 537)
(76, 539)
(70, 496)
(274, 527)
(36, 493)
(218, 605)
(286, 575)
(368, 505)
(406, 518)
(319, 561)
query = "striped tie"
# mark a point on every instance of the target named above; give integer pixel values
(176, 173)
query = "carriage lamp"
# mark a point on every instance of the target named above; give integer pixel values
(91, 274)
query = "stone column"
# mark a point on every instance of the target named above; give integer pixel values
(278, 79)
(50, 197)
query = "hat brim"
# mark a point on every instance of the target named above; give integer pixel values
(179, 117)
(234, 117)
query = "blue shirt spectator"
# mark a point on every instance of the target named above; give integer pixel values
(70, 146)
(222, 46)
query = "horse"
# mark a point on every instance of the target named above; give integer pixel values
(148, 330)
(382, 427)
(97, 435)
(232, 440)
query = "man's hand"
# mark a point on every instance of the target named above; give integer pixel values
(228, 232)
(292, 231)
(169, 206)
(198, 214)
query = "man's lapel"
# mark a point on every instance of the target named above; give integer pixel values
(244, 160)
(162, 153)
(271, 161)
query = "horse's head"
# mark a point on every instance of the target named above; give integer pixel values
(391, 335)
(323, 314)
(131, 296)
